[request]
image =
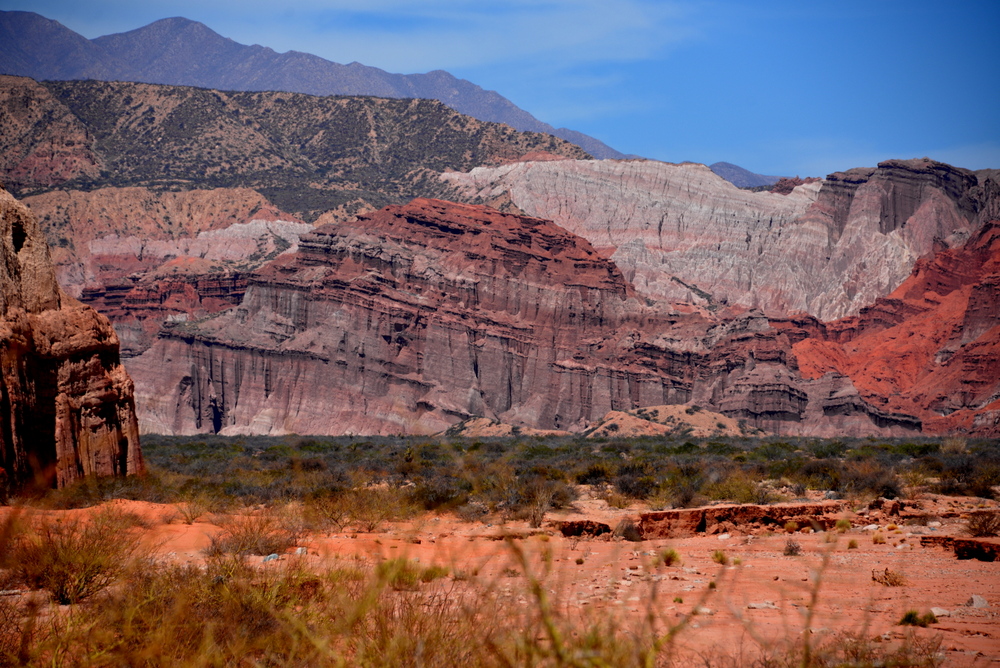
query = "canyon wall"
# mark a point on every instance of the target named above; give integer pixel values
(931, 348)
(66, 402)
(142, 257)
(416, 317)
(681, 232)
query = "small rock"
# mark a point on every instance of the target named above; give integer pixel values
(935, 523)
(977, 601)
(301, 550)
(871, 527)
(703, 611)
(763, 605)
(723, 536)
(940, 612)
(270, 557)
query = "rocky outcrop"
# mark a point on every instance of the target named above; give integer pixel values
(681, 232)
(965, 548)
(417, 317)
(686, 522)
(67, 407)
(666, 420)
(930, 349)
(104, 235)
(142, 257)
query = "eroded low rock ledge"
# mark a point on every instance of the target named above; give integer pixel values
(685, 522)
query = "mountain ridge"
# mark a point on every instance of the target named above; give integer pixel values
(179, 51)
(741, 177)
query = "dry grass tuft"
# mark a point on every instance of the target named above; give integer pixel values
(71, 559)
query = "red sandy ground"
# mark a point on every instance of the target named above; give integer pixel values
(618, 578)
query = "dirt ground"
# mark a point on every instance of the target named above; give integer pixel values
(760, 598)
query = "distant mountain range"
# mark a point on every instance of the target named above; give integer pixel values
(179, 51)
(742, 178)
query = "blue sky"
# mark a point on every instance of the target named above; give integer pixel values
(777, 87)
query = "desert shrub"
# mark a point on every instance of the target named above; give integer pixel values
(986, 478)
(668, 557)
(194, 507)
(843, 525)
(372, 506)
(889, 578)
(954, 445)
(827, 449)
(983, 523)
(913, 618)
(683, 482)
(472, 511)
(773, 451)
(791, 526)
(329, 511)
(918, 449)
(403, 574)
(440, 491)
(869, 477)
(852, 544)
(975, 473)
(720, 557)
(260, 533)
(614, 498)
(820, 473)
(596, 473)
(635, 480)
(72, 559)
(878, 538)
(792, 548)
(739, 487)
(530, 497)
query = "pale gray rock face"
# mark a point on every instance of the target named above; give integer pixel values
(680, 232)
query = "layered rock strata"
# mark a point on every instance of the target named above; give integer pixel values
(715, 519)
(930, 349)
(420, 316)
(681, 232)
(142, 257)
(66, 402)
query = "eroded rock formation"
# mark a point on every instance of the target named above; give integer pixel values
(930, 349)
(681, 232)
(419, 316)
(66, 406)
(142, 257)
(716, 519)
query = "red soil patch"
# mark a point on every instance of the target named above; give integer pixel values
(760, 593)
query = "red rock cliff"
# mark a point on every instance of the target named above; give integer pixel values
(418, 316)
(931, 348)
(66, 406)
